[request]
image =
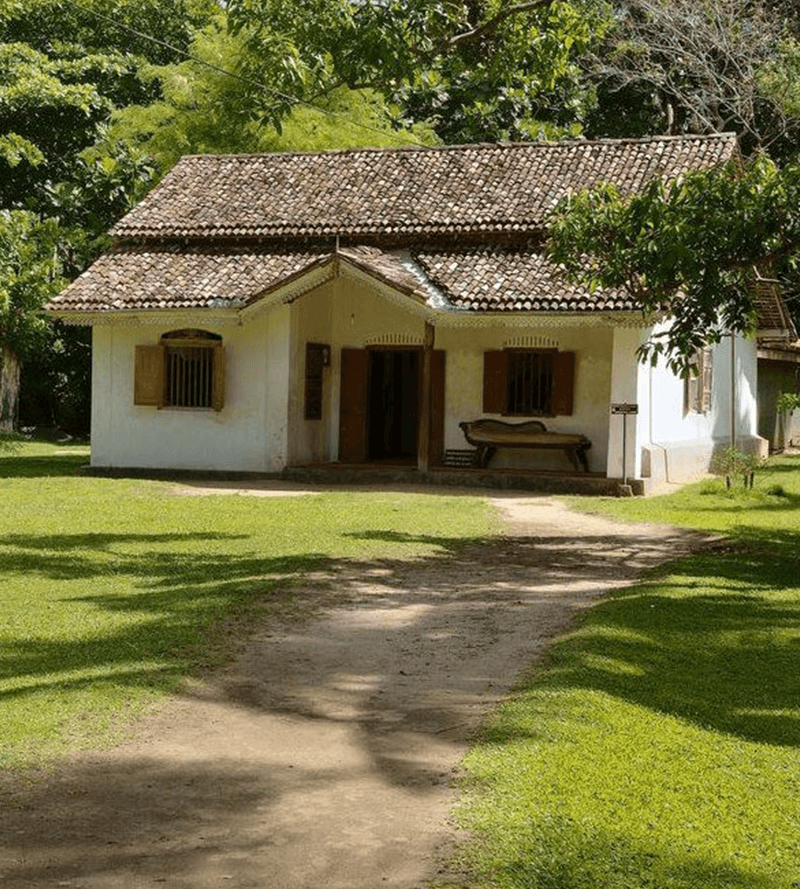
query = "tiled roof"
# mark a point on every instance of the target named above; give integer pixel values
(152, 278)
(775, 324)
(513, 280)
(401, 193)
(137, 279)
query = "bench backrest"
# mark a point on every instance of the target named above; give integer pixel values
(488, 426)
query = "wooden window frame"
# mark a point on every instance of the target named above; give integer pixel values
(497, 387)
(203, 388)
(697, 388)
(318, 357)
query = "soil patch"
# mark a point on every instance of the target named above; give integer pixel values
(324, 755)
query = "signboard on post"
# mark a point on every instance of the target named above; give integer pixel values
(623, 408)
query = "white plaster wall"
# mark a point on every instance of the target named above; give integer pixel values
(625, 431)
(464, 387)
(679, 445)
(309, 440)
(248, 434)
(347, 313)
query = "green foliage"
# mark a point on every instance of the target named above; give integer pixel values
(686, 250)
(787, 402)
(733, 463)
(29, 274)
(64, 69)
(9, 442)
(204, 110)
(476, 71)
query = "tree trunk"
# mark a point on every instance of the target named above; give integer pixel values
(9, 388)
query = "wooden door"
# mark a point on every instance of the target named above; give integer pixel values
(353, 406)
(436, 454)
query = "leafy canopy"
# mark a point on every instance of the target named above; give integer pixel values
(478, 69)
(687, 250)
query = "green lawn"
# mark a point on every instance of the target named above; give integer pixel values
(114, 590)
(660, 747)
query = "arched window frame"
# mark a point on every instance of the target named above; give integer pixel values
(185, 370)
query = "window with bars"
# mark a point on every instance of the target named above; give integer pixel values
(528, 382)
(529, 378)
(189, 376)
(185, 370)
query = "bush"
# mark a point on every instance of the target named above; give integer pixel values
(733, 463)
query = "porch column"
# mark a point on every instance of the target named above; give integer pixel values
(424, 442)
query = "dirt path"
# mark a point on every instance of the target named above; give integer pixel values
(323, 756)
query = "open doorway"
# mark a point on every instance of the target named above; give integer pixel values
(393, 408)
(379, 407)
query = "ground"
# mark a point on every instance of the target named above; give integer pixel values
(324, 755)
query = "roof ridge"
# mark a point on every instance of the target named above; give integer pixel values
(463, 146)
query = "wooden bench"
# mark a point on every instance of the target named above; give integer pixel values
(489, 435)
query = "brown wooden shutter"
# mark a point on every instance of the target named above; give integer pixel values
(707, 380)
(149, 376)
(353, 406)
(563, 382)
(436, 448)
(218, 393)
(495, 386)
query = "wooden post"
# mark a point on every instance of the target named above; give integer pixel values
(424, 439)
(733, 390)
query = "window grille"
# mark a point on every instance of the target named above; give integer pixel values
(191, 368)
(530, 383)
(190, 376)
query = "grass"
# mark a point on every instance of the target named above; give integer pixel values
(114, 590)
(660, 747)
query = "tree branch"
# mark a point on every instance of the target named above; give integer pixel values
(489, 25)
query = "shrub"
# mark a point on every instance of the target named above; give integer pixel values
(733, 463)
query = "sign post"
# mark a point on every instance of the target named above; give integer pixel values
(624, 409)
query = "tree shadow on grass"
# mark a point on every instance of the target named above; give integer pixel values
(575, 859)
(51, 466)
(176, 598)
(716, 642)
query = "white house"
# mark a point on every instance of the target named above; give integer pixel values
(260, 312)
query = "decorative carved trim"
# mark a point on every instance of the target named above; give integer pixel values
(173, 318)
(393, 339)
(531, 341)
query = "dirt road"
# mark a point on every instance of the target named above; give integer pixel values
(323, 756)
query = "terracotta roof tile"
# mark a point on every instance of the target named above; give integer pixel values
(402, 192)
(171, 278)
(513, 281)
(284, 212)
(136, 279)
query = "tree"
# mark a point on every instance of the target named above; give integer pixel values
(204, 107)
(29, 272)
(64, 68)
(687, 250)
(475, 69)
(678, 66)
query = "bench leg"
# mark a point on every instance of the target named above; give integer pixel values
(572, 457)
(581, 452)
